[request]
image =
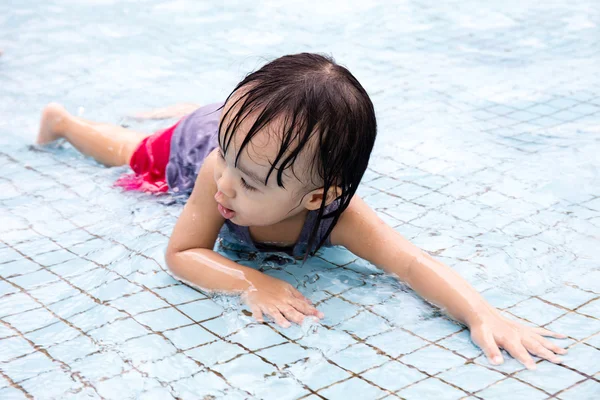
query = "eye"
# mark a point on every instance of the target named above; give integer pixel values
(247, 187)
(221, 155)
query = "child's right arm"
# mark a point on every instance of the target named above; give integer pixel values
(190, 257)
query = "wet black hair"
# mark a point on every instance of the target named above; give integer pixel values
(324, 109)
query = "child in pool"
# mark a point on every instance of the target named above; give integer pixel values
(279, 162)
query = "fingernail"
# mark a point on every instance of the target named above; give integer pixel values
(532, 366)
(557, 360)
(497, 360)
(321, 315)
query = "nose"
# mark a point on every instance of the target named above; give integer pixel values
(225, 183)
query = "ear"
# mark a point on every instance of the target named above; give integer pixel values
(312, 201)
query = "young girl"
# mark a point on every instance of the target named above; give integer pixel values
(279, 163)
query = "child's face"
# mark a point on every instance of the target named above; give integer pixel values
(242, 195)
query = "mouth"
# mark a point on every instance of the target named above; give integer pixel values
(225, 212)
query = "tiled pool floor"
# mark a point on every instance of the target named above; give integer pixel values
(488, 157)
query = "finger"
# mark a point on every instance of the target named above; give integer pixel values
(277, 317)
(305, 308)
(536, 348)
(300, 296)
(257, 313)
(549, 345)
(516, 349)
(485, 340)
(546, 332)
(292, 314)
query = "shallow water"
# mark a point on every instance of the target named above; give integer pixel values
(489, 116)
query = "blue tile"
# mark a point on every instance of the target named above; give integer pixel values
(95, 317)
(118, 331)
(73, 350)
(354, 385)
(537, 311)
(215, 352)
(393, 376)
(434, 329)
(358, 358)
(227, 323)
(146, 348)
(201, 310)
(327, 341)
(583, 358)
(54, 292)
(14, 347)
(587, 390)
(462, 344)
(19, 267)
(155, 279)
(576, 326)
(39, 246)
(256, 337)
(594, 341)
(284, 354)
(75, 267)
(113, 290)
(51, 385)
(397, 342)
(279, 388)
(139, 302)
(364, 324)
(105, 364)
(6, 288)
(11, 393)
(162, 320)
(179, 294)
(7, 255)
(501, 298)
(592, 309)
(338, 255)
(550, 377)
(73, 305)
(433, 359)
(128, 385)
(158, 393)
(53, 334)
(29, 366)
(337, 310)
(237, 374)
(6, 332)
(171, 368)
(203, 384)
(34, 279)
(53, 257)
(189, 336)
(513, 389)
(31, 320)
(471, 377)
(429, 389)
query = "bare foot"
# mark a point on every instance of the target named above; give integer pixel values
(52, 115)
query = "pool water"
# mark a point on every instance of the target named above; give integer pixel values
(487, 157)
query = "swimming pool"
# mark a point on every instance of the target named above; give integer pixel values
(489, 117)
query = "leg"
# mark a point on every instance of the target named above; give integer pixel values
(108, 144)
(174, 111)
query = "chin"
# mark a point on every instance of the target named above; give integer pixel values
(239, 221)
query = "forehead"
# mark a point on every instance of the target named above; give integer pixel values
(264, 146)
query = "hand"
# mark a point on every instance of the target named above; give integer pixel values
(278, 299)
(494, 330)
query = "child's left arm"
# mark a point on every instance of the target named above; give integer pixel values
(362, 232)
